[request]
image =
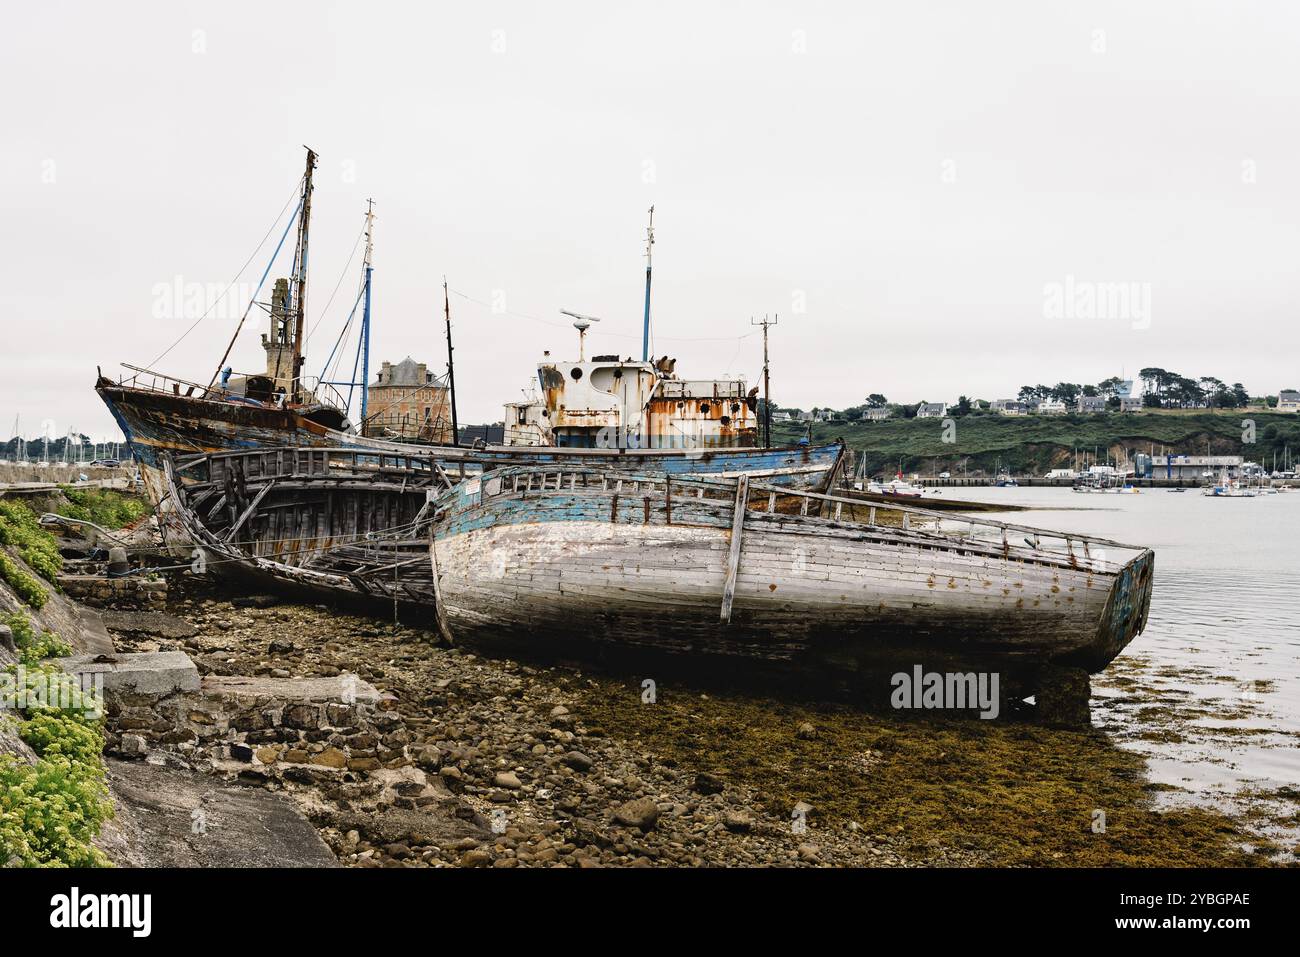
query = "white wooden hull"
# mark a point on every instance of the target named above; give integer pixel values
(634, 575)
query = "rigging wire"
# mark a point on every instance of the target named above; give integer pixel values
(343, 275)
(252, 302)
(324, 372)
(296, 189)
(619, 335)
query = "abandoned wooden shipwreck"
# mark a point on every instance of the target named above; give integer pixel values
(704, 565)
(182, 479)
(716, 566)
(334, 522)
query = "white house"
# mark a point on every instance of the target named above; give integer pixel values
(876, 415)
(1288, 400)
(782, 417)
(1091, 403)
(1009, 407)
(1051, 407)
(932, 410)
(1131, 403)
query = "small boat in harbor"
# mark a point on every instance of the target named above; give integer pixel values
(1105, 483)
(716, 567)
(1228, 487)
(896, 488)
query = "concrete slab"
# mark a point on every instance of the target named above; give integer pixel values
(155, 623)
(167, 817)
(153, 673)
(345, 688)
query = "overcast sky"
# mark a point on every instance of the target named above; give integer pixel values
(929, 195)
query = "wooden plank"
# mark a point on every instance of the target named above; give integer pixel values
(733, 557)
(252, 506)
(439, 607)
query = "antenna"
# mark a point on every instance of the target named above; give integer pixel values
(582, 324)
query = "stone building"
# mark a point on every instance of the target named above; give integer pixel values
(407, 401)
(279, 342)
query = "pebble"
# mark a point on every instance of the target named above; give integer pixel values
(577, 761)
(640, 812)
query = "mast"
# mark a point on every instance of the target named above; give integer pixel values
(451, 367)
(365, 315)
(649, 244)
(767, 383)
(299, 295)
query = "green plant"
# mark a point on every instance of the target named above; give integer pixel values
(24, 585)
(104, 507)
(33, 648)
(50, 811)
(39, 549)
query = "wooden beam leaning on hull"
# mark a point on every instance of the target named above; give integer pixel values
(733, 556)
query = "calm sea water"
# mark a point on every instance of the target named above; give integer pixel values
(1210, 692)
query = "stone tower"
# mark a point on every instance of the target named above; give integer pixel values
(279, 342)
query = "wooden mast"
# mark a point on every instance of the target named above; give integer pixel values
(451, 367)
(300, 279)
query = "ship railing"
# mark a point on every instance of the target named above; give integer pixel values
(314, 462)
(1078, 549)
(323, 392)
(150, 380)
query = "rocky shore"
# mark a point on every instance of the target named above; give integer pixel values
(495, 764)
(513, 761)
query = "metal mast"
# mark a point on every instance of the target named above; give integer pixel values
(365, 315)
(767, 382)
(299, 295)
(649, 249)
(451, 368)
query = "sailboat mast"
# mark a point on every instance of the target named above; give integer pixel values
(300, 279)
(451, 367)
(649, 248)
(365, 315)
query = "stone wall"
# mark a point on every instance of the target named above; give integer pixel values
(307, 730)
(99, 591)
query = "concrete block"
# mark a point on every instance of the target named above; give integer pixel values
(151, 673)
(345, 688)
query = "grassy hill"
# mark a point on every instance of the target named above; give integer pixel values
(1034, 444)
